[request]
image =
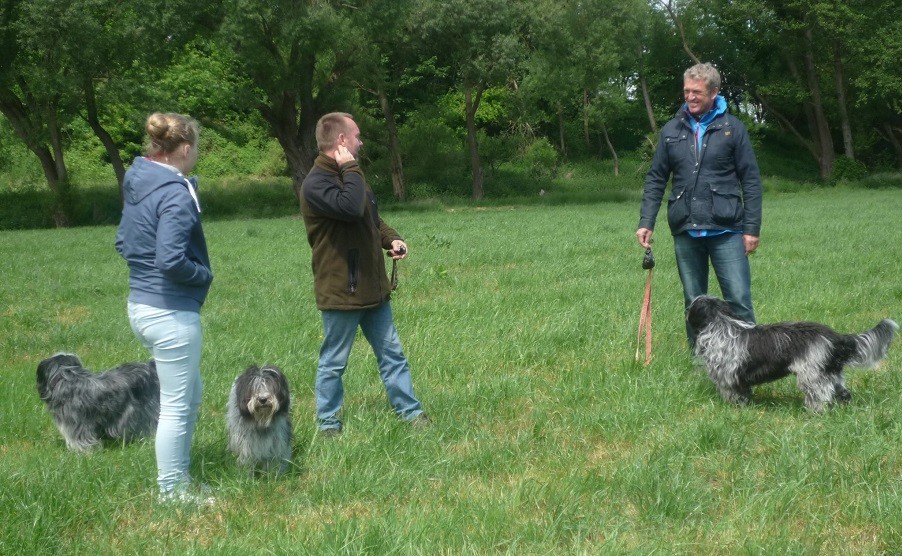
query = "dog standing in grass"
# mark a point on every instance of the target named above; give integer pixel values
(739, 355)
(258, 419)
(122, 403)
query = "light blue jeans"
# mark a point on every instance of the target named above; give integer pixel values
(731, 266)
(174, 340)
(340, 328)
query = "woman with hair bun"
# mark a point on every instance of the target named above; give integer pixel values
(161, 238)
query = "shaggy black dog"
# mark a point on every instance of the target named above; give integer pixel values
(122, 403)
(258, 419)
(738, 355)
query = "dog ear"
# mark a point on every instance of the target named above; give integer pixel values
(700, 312)
(284, 393)
(45, 369)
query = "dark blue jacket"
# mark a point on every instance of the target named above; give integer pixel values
(161, 238)
(716, 188)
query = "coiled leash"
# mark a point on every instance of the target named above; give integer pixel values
(394, 267)
(648, 263)
(394, 274)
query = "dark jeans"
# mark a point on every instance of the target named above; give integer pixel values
(731, 266)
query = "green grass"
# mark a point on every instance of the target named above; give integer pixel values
(520, 324)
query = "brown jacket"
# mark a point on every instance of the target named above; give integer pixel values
(347, 237)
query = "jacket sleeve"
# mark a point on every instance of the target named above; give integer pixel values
(655, 184)
(344, 200)
(178, 217)
(387, 234)
(750, 179)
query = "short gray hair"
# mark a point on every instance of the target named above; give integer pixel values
(704, 72)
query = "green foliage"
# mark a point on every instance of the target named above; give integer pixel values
(883, 180)
(847, 169)
(433, 155)
(241, 150)
(251, 71)
(540, 159)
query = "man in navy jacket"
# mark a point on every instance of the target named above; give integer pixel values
(714, 208)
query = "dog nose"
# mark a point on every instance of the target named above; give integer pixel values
(263, 400)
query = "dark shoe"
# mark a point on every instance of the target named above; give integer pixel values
(421, 421)
(330, 434)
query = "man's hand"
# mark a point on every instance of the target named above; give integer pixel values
(644, 237)
(398, 250)
(751, 243)
(342, 155)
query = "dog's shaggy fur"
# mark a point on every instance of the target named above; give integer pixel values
(122, 403)
(258, 420)
(738, 355)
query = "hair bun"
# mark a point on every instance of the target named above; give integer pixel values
(167, 131)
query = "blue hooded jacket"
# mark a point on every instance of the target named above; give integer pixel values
(161, 238)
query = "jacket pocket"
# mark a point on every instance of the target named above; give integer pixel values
(726, 208)
(677, 209)
(353, 269)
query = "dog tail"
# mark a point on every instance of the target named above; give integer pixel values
(871, 346)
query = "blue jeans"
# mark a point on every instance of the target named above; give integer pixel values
(340, 328)
(731, 266)
(174, 340)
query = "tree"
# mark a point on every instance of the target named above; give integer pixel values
(30, 97)
(742, 37)
(480, 41)
(297, 54)
(59, 53)
(386, 65)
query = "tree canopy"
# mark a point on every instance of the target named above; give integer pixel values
(483, 79)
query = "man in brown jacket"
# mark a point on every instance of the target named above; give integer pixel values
(351, 287)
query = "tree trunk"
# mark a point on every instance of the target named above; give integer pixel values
(560, 130)
(62, 212)
(890, 135)
(649, 110)
(786, 125)
(470, 108)
(607, 140)
(94, 121)
(282, 118)
(839, 74)
(394, 148)
(23, 118)
(668, 5)
(586, 138)
(824, 140)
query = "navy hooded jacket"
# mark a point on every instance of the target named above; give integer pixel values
(161, 238)
(716, 187)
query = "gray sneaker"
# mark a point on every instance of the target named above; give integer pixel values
(199, 494)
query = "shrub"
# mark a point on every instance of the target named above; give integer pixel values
(540, 159)
(847, 169)
(883, 180)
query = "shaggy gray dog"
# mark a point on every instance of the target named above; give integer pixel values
(739, 355)
(122, 403)
(258, 420)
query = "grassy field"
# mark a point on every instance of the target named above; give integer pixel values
(520, 324)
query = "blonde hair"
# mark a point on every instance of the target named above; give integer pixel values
(704, 72)
(167, 130)
(329, 127)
